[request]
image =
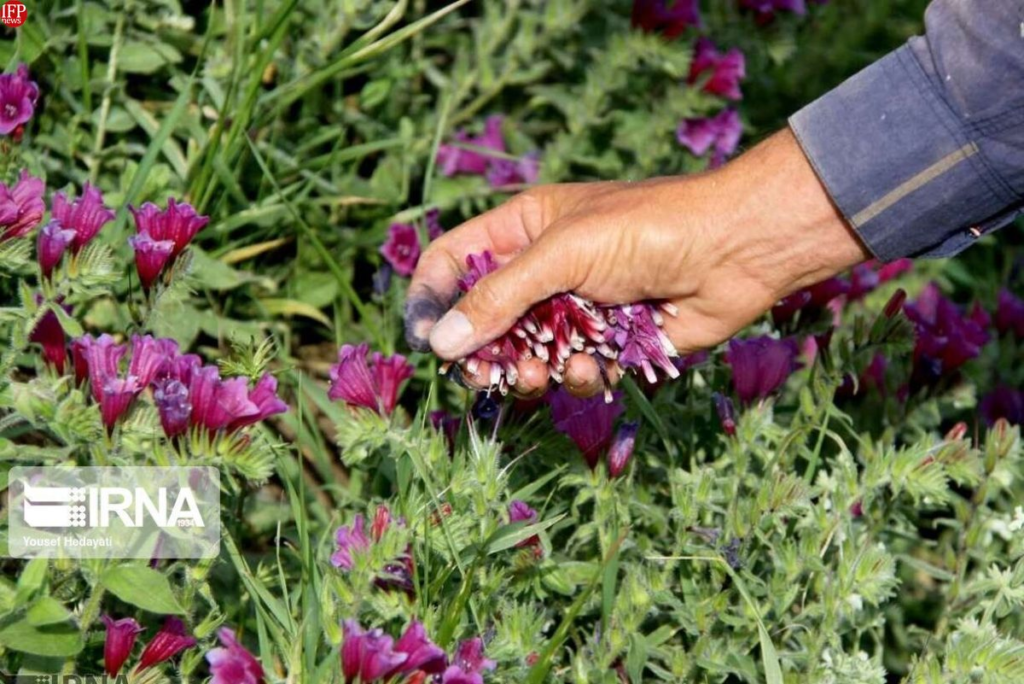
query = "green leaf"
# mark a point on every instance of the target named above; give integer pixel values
(47, 611)
(60, 640)
(507, 536)
(145, 58)
(31, 580)
(142, 587)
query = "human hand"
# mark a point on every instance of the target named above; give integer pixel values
(722, 247)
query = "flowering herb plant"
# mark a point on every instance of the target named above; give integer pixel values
(208, 217)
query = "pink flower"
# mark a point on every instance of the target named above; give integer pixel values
(18, 97)
(368, 656)
(670, 17)
(724, 71)
(217, 403)
(760, 365)
(621, 450)
(455, 159)
(49, 334)
(468, 664)
(374, 385)
(86, 216)
(120, 639)
(149, 357)
(264, 397)
(179, 223)
(151, 256)
(422, 654)
(720, 133)
(53, 240)
(117, 398)
(101, 357)
(21, 207)
(171, 640)
(350, 538)
(504, 172)
(588, 423)
(520, 511)
(402, 248)
(232, 663)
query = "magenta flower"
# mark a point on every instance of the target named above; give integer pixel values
(669, 17)
(264, 397)
(505, 172)
(635, 330)
(422, 654)
(374, 385)
(179, 223)
(765, 10)
(520, 511)
(685, 363)
(589, 423)
(120, 639)
(402, 248)
(53, 240)
(149, 357)
(811, 300)
(117, 398)
(171, 640)
(621, 450)
(232, 663)
(368, 656)
(151, 256)
(456, 159)
(49, 334)
(1003, 402)
(101, 357)
(217, 403)
(1009, 316)
(350, 539)
(18, 97)
(21, 207)
(468, 664)
(722, 71)
(171, 397)
(894, 269)
(760, 365)
(726, 413)
(946, 339)
(720, 133)
(867, 276)
(85, 216)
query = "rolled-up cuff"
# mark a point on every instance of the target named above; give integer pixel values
(899, 163)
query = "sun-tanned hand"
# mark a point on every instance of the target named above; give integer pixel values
(722, 246)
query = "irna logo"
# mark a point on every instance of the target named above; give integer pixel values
(97, 506)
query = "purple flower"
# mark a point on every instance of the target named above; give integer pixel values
(151, 256)
(760, 365)
(946, 339)
(350, 538)
(811, 300)
(374, 385)
(1009, 314)
(505, 172)
(21, 207)
(86, 216)
(101, 357)
(50, 245)
(867, 276)
(217, 403)
(765, 9)
(120, 639)
(264, 397)
(726, 413)
(621, 450)
(685, 363)
(402, 248)
(232, 663)
(368, 656)
(171, 640)
(635, 329)
(520, 511)
(670, 17)
(422, 654)
(725, 71)
(49, 334)
(171, 397)
(1003, 402)
(18, 97)
(179, 223)
(455, 159)
(118, 395)
(720, 133)
(468, 664)
(587, 422)
(149, 357)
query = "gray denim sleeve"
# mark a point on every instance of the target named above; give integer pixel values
(923, 151)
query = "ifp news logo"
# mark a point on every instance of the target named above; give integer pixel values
(13, 13)
(112, 512)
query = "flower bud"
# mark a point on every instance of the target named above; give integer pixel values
(621, 450)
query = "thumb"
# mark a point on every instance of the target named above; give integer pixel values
(500, 298)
